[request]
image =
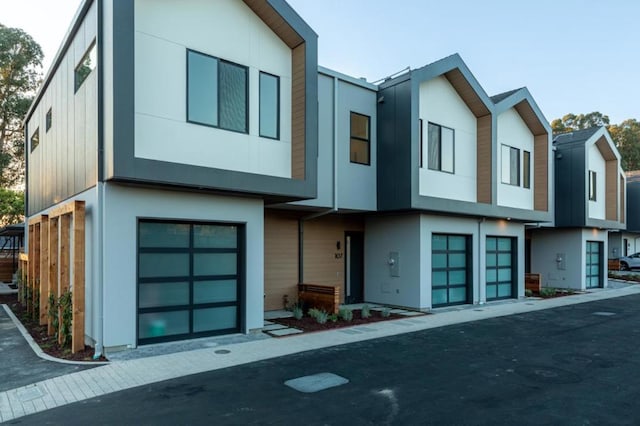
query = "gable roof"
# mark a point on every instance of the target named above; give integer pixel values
(524, 104)
(501, 96)
(574, 137)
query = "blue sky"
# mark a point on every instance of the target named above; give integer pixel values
(574, 55)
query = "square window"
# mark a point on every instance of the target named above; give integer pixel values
(441, 148)
(269, 106)
(87, 64)
(360, 141)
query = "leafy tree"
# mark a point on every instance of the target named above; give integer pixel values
(11, 207)
(572, 122)
(20, 70)
(626, 135)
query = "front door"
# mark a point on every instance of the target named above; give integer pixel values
(354, 265)
(594, 264)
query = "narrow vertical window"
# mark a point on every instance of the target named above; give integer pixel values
(420, 147)
(510, 162)
(441, 145)
(202, 77)
(87, 64)
(48, 120)
(526, 169)
(269, 106)
(35, 139)
(360, 139)
(592, 185)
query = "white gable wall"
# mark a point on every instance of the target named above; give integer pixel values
(512, 131)
(596, 164)
(226, 29)
(441, 104)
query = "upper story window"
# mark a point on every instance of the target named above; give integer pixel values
(510, 165)
(592, 185)
(360, 142)
(269, 106)
(441, 148)
(48, 120)
(35, 139)
(526, 169)
(87, 64)
(217, 92)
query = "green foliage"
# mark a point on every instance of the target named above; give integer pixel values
(297, 311)
(65, 303)
(346, 314)
(528, 293)
(572, 122)
(20, 73)
(320, 315)
(547, 292)
(385, 312)
(365, 312)
(333, 318)
(11, 207)
(53, 313)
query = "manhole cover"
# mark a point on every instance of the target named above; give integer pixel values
(316, 382)
(547, 374)
(222, 351)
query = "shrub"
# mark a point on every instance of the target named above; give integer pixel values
(346, 314)
(322, 317)
(333, 318)
(314, 312)
(528, 293)
(366, 311)
(385, 312)
(297, 311)
(547, 292)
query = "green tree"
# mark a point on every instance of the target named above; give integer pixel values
(626, 135)
(20, 74)
(573, 122)
(11, 207)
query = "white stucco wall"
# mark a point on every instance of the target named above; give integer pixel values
(226, 29)
(512, 131)
(440, 104)
(124, 205)
(597, 209)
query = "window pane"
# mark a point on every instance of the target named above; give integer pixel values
(48, 120)
(233, 96)
(457, 260)
(492, 275)
(504, 290)
(439, 278)
(215, 236)
(457, 277)
(504, 259)
(214, 318)
(163, 294)
(515, 166)
(434, 146)
(359, 126)
(504, 274)
(203, 89)
(457, 242)
(439, 297)
(492, 291)
(491, 259)
(458, 294)
(160, 324)
(592, 185)
(167, 235)
(491, 244)
(215, 291)
(35, 139)
(447, 150)
(505, 159)
(214, 264)
(438, 242)
(269, 105)
(526, 169)
(163, 265)
(87, 64)
(359, 151)
(504, 244)
(439, 260)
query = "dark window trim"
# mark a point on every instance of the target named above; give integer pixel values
(368, 141)
(439, 169)
(513, 266)
(48, 120)
(420, 146)
(78, 84)
(36, 135)
(593, 185)
(277, 105)
(526, 169)
(246, 94)
(502, 177)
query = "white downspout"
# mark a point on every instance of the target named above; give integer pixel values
(100, 268)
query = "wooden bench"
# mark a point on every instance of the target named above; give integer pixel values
(325, 297)
(533, 282)
(614, 264)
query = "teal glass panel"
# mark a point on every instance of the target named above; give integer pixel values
(491, 244)
(594, 270)
(214, 264)
(439, 278)
(164, 235)
(153, 295)
(457, 277)
(492, 275)
(160, 324)
(457, 294)
(504, 259)
(438, 260)
(269, 105)
(492, 259)
(215, 236)
(163, 265)
(457, 242)
(202, 81)
(215, 291)
(504, 274)
(438, 242)
(439, 297)
(457, 260)
(594, 258)
(504, 290)
(214, 318)
(492, 291)
(504, 244)
(233, 96)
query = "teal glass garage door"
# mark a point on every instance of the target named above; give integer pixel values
(450, 270)
(594, 264)
(189, 280)
(501, 262)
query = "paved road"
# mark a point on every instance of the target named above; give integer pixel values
(19, 365)
(575, 365)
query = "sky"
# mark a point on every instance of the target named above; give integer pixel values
(574, 56)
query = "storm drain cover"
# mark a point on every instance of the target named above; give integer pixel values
(316, 382)
(604, 314)
(29, 394)
(222, 351)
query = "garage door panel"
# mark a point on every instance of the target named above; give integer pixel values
(153, 295)
(163, 324)
(216, 291)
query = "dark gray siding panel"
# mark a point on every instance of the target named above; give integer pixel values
(633, 206)
(394, 147)
(570, 196)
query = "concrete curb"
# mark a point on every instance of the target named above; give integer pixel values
(36, 348)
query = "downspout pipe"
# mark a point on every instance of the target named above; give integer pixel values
(481, 301)
(334, 208)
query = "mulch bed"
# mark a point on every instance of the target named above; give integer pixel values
(48, 344)
(308, 324)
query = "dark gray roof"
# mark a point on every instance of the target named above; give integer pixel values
(502, 96)
(577, 136)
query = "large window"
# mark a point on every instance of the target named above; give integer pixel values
(510, 165)
(360, 142)
(593, 185)
(217, 93)
(441, 142)
(450, 269)
(87, 64)
(35, 139)
(269, 106)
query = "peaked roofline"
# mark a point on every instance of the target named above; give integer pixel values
(531, 112)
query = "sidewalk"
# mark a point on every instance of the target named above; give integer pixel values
(120, 375)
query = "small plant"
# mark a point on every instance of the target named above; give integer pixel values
(322, 317)
(528, 293)
(346, 314)
(333, 318)
(314, 312)
(365, 312)
(66, 315)
(385, 312)
(547, 292)
(53, 313)
(297, 311)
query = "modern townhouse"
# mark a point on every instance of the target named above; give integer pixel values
(626, 242)
(590, 189)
